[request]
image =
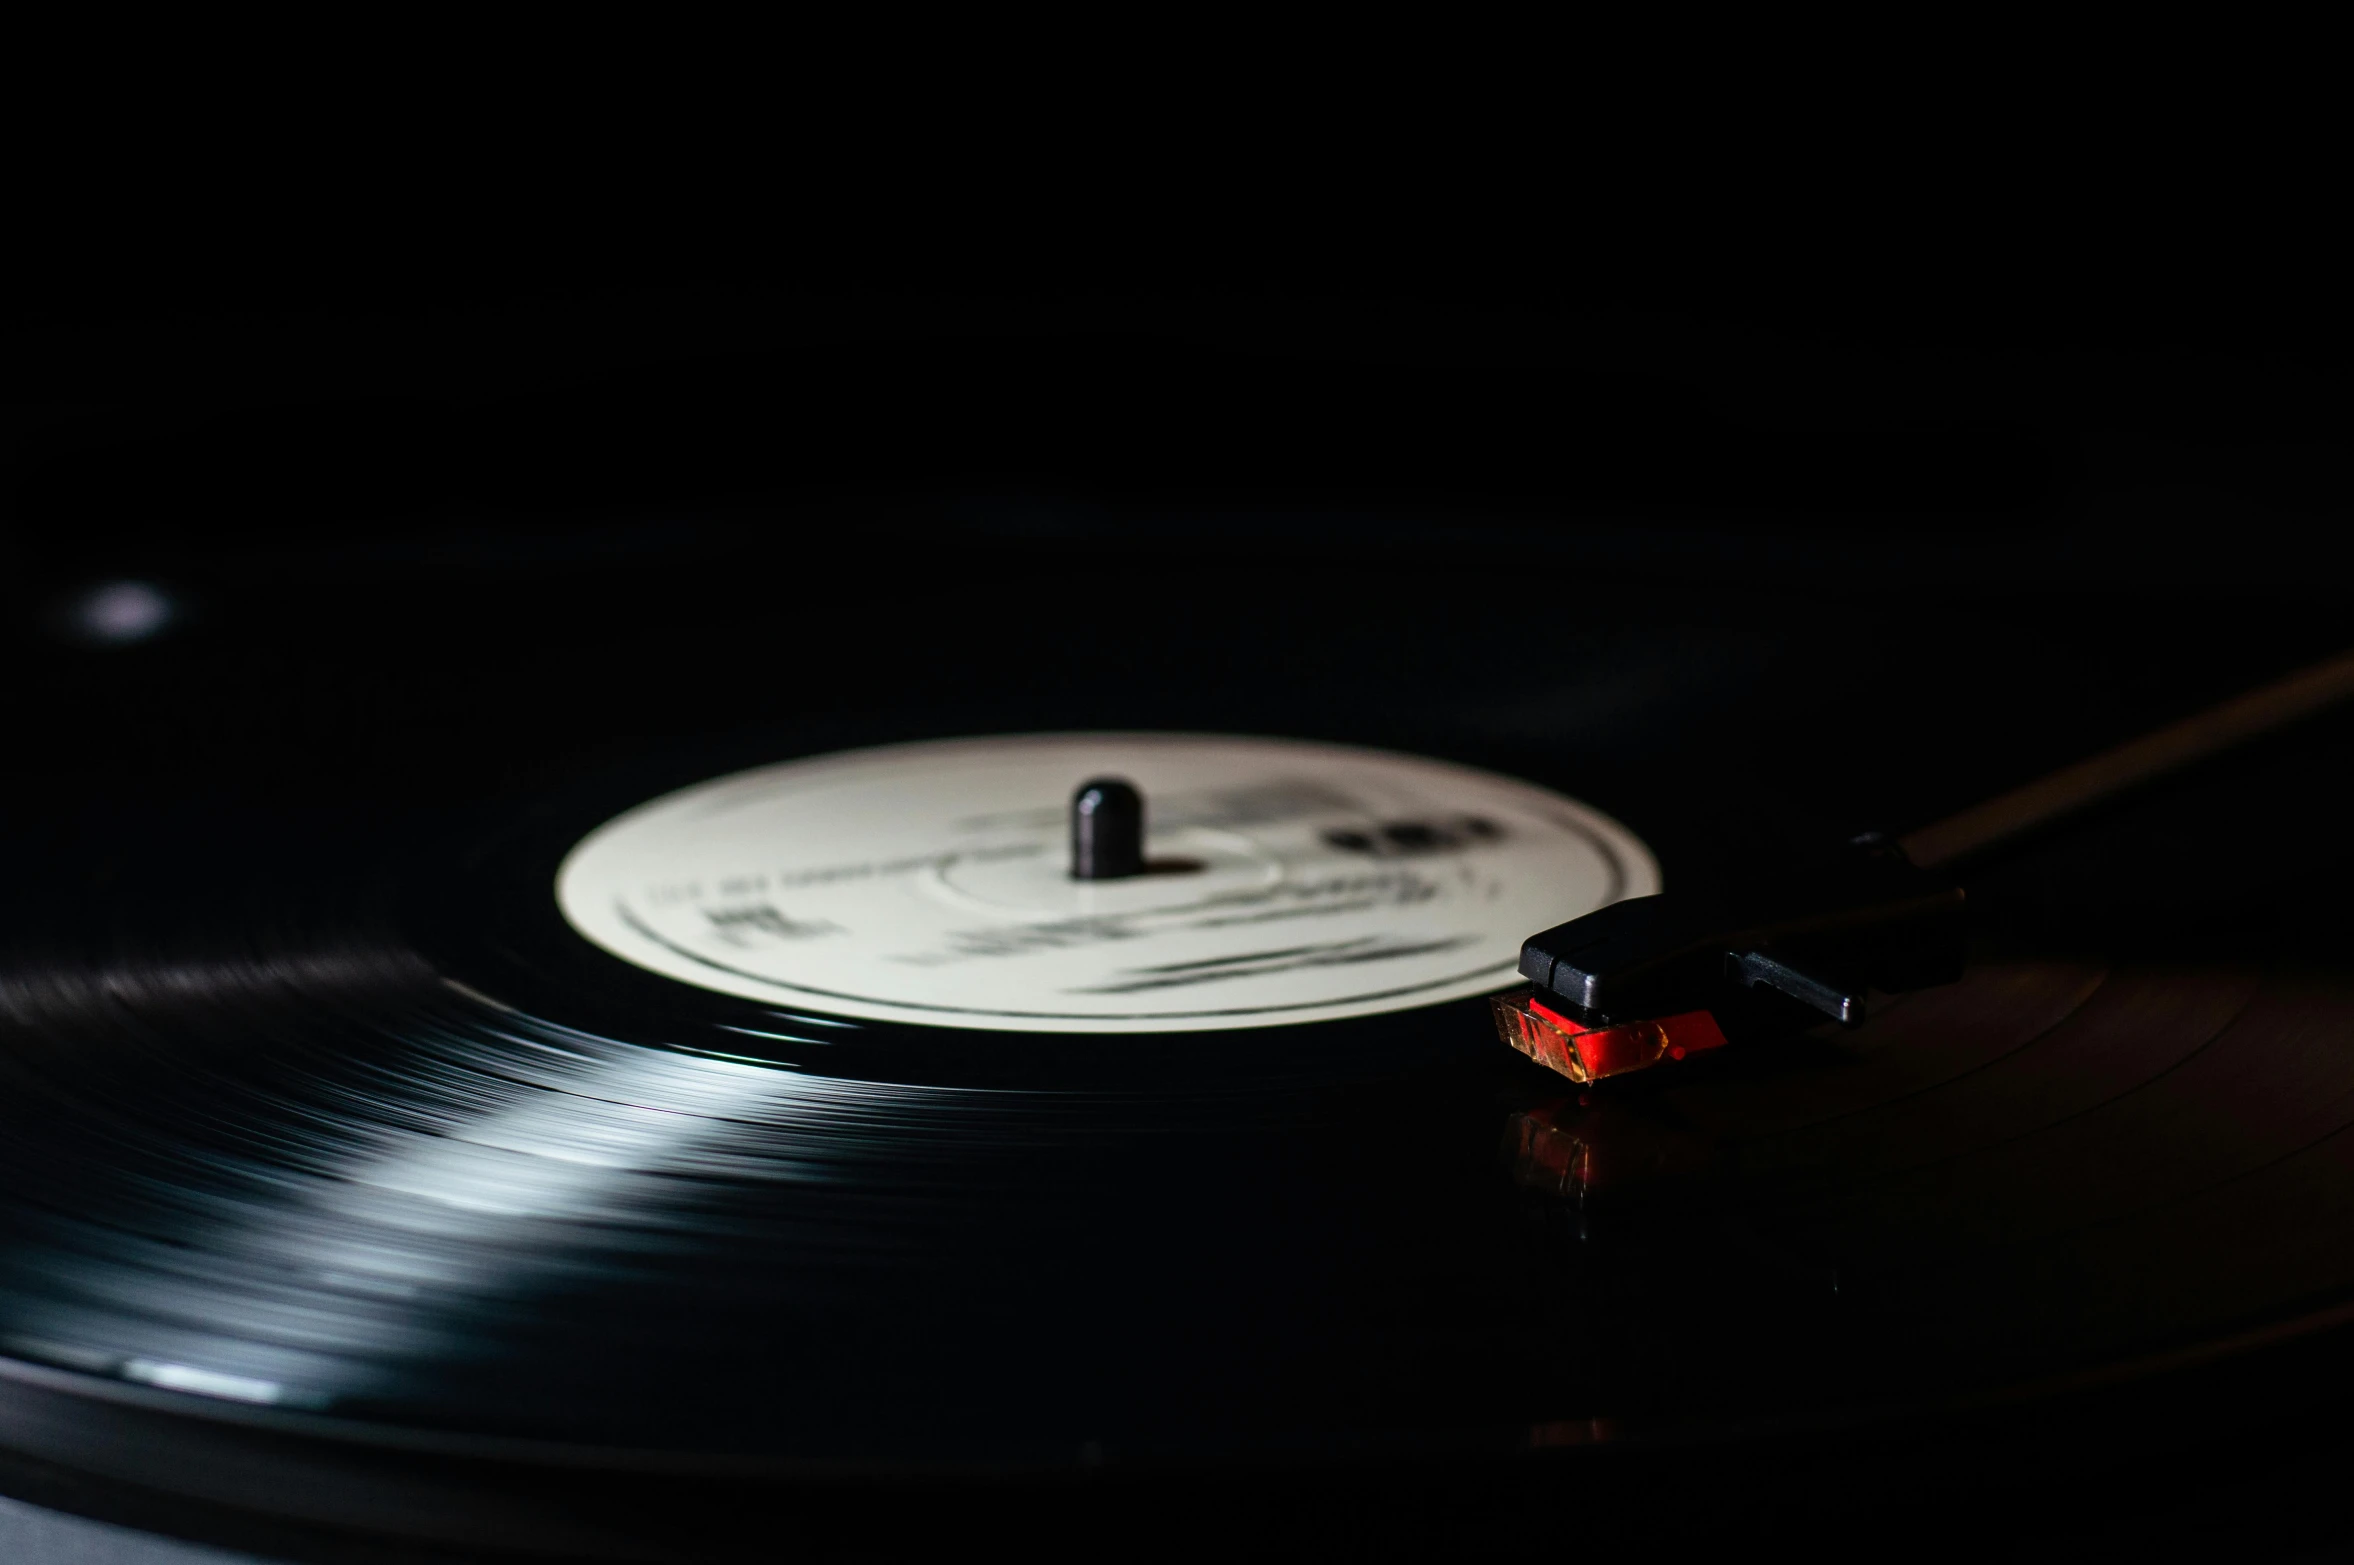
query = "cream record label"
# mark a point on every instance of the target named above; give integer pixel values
(931, 883)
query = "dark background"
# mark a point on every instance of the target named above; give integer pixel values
(1828, 535)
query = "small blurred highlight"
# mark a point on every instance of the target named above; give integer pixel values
(118, 613)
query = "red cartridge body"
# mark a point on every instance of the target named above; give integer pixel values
(1587, 1053)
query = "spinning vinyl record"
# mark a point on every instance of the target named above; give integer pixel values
(812, 1120)
(556, 1184)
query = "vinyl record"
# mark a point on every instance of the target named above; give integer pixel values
(811, 1125)
(554, 1137)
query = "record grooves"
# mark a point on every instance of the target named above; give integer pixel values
(380, 1201)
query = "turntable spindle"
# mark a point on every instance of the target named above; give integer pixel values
(1107, 830)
